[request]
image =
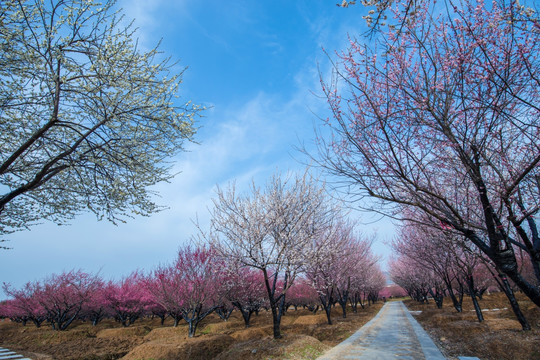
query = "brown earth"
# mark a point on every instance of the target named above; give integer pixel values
(498, 337)
(305, 336)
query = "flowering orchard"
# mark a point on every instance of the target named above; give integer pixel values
(436, 121)
(279, 231)
(284, 246)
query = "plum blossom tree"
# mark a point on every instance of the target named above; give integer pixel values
(244, 288)
(159, 311)
(414, 279)
(322, 270)
(23, 305)
(164, 286)
(443, 116)
(303, 294)
(431, 250)
(127, 298)
(88, 120)
(341, 266)
(97, 308)
(188, 288)
(376, 282)
(452, 260)
(272, 230)
(330, 271)
(393, 291)
(356, 259)
(64, 295)
(9, 310)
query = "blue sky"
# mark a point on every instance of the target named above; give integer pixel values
(255, 65)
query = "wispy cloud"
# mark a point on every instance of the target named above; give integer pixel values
(242, 140)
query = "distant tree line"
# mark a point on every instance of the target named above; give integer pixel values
(283, 246)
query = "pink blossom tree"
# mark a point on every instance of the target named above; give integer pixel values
(244, 288)
(446, 121)
(127, 299)
(357, 258)
(375, 283)
(336, 270)
(411, 277)
(188, 288)
(322, 272)
(303, 294)
(64, 295)
(450, 257)
(431, 250)
(392, 291)
(9, 310)
(23, 305)
(97, 308)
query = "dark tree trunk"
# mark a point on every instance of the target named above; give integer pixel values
(437, 297)
(276, 320)
(343, 303)
(472, 294)
(245, 311)
(505, 286)
(192, 328)
(500, 249)
(457, 304)
(326, 303)
(224, 313)
(354, 302)
(194, 316)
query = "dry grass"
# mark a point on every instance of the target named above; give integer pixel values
(306, 336)
(498, 337)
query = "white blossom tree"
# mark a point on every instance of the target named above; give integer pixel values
(272, 229)
(88, 121)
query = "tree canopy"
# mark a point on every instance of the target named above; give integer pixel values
(441, 115)
(88, 120)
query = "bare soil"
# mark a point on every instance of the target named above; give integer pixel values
(305, 336)
(498, 337)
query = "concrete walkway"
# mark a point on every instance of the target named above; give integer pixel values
(392, 334)
(6, 354)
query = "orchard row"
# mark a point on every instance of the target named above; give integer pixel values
(285, 245)
(436, 124)
(438, 263)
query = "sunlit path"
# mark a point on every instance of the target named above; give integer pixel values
(392, 334)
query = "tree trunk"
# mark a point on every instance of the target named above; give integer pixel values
(343, 308)
(438, 297)
(192, 328)
(276, 320)
(500, 249)
(246, 313)
(328, 310)
(513, 302)
(511, 270)
(457, 304)
(472, 293)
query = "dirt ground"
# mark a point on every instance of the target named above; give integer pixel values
(305, 336)
(498, 337)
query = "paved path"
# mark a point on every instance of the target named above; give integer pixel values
(6, 354)
(392, 334)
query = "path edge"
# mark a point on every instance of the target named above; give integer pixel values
(330, 354)
(430, 349)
